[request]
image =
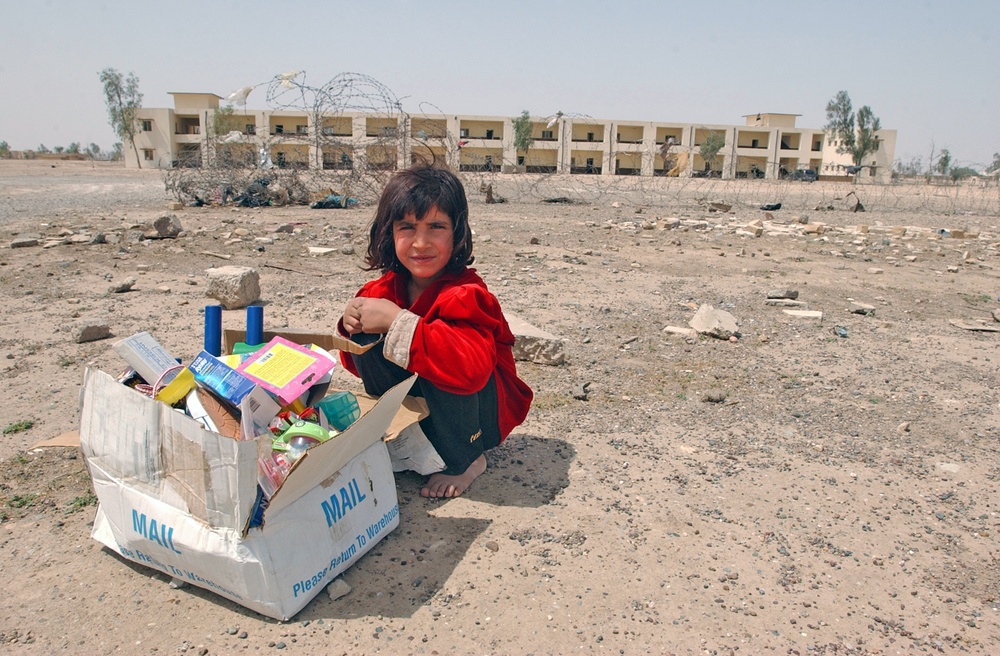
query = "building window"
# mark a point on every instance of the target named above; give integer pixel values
(754, 143)
(301, 129)
(590, 136)
(463, 132)
(546, 134)
(147, 154)
(489, 134)
(327, 131)
(147, 125)
(251, 128)
(279, 129)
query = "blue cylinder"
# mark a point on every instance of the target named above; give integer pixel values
(213, 329)
(255, 325)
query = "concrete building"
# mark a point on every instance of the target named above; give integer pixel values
(198, 132)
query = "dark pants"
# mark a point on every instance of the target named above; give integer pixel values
(460, 426)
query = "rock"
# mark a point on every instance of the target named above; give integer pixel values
(347, 249)
(862, 308)
(91, 332)
(875, 271)
(783, 293)
(903, 427)
(784, 302)
(99, 238)
(580, 392)
(716, 323)
(241, 232)
(122, 287)
(996, 314)
(535, 345)
(25, 240)
(714, 396)
(338, 588)
(285, 228)
(233, 286)
(805, 314)
(167, 226)
(952, 269)
(679, 330)
(173, 206)
(321, 250)
(719, 207)
(814, 229)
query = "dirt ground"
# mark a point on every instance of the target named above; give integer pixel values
(811, 487)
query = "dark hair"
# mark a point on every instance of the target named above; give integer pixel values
(416, 190)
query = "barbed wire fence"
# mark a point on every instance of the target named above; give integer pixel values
(319, 157)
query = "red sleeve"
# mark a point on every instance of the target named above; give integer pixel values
(453, 346)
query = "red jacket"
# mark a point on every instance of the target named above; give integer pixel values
(461, 337)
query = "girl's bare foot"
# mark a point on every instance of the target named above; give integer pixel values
(445, 486)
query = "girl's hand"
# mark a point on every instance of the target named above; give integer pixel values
(369, 315)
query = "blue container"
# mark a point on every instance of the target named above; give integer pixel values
(340, 409)
(213, 329)
(255, 325)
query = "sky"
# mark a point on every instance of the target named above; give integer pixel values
(928, 69)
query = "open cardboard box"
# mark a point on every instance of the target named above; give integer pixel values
(178, 498)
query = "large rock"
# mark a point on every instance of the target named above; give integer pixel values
(233, 286)
(534, 344)
(167, 226)
(715, 323)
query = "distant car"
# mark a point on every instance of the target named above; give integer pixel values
(804, 175)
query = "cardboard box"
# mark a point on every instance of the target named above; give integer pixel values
(178, 498)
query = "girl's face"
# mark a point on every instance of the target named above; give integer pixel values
(424, 246)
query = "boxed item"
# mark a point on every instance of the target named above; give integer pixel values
(179, 498)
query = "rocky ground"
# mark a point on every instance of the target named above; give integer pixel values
(823, 486)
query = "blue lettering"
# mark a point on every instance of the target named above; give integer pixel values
(159, 533)
(380, 525)
(344, 499)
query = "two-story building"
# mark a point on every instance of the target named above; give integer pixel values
(198, 132)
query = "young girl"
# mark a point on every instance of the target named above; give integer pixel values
(439, 321)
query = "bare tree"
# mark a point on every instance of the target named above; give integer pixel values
(123, 99)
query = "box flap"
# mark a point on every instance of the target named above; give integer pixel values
(324, 460)
(324, 340)
(166, 454)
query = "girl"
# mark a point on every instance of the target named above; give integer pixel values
(439, 321)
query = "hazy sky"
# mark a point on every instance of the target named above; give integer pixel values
(928, 69)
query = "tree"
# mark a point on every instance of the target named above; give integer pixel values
(117, 153)
(121, 94)
(856, 133)
(957, 173)
(93, 150)
(522, 133)
(4, 150)
(913, 167)
(995, 166)
(73, 148)
(943, 164)
(42, 149)
(714, 142)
